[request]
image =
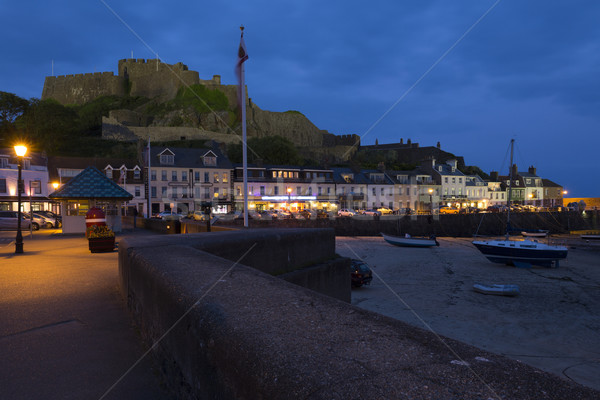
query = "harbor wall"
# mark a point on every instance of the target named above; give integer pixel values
(220, 328)
(457, 225)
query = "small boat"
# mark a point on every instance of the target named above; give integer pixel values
(538, 233)
(524, 253)
(521, 253)
(499, 290)
(409, 241)
(590, 237)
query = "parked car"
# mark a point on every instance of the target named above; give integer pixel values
(346, 212)
(468, 210)
(9, 220)
(372, 212)
(322, 214)
(50, 214)
(198, 215)
(360, 273)
(448, 210)
(168, 215)
(44, 221)
(38, 221)
(385, 210)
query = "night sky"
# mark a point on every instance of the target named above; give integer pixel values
(471, 74)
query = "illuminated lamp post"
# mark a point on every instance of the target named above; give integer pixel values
(55, 186)
(431, 200)
(21, 151)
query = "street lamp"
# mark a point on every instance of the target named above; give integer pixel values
(21, 151)
(431, 200)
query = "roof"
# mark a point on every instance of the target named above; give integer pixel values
(91, 183)
(188, 158)
(56, 162)
(358, 177)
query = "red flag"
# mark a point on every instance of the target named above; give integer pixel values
(242, 56)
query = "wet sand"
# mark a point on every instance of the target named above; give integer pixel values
(554, 324)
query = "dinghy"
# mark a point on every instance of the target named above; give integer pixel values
(499, 290)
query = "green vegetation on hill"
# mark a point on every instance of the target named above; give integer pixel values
(270, 149)
(198, 97)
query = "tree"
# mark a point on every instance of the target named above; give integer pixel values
(11, 107)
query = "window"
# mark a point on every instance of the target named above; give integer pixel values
(206, 177)
(206, 193)
(216, 193)
(168, 159)
(174, 176)
(382, 191)
(163, 175)
(137, 174)
(298, 190)
(459, 180)
(197, 192)
(153, 192)
(319, 190)
(446, 179)
(153, 175)
(163, 192)
(184, 176)
(400, 191)
(310, 190)
(137, 191)
(453, 180)
(262, 190)
(3, 162)
(38, 187)
(3, 185)
(26, 163)
(225, 177)
(276, 190)
(197, 176)
(216, 177)
(210, 161)
(109, 173)
(328, 190)
(374, 192)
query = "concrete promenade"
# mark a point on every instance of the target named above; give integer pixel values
(64, 329)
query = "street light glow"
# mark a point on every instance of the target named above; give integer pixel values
(20, 150)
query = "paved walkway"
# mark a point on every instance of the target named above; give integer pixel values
(64, 329)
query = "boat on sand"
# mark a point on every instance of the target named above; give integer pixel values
(499, 290)
(409, 241)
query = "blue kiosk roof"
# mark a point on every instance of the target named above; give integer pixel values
(91, 183)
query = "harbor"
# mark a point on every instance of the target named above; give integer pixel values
(552, 324)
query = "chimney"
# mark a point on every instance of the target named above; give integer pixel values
(439, 146)
(515, 172)
(401, 141)
(494, 176)
(532, 170)
(408, 142)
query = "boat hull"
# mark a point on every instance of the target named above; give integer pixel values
(521, 252)
(410, 241)
(498, 290)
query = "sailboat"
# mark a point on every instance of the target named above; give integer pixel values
(520, 253)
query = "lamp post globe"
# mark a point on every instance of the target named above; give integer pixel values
(20, 150)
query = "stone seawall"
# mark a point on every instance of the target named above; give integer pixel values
(221, 329)
(442, 225)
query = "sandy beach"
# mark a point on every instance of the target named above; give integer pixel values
(554, 324)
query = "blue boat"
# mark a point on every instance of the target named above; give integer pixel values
(524, 253)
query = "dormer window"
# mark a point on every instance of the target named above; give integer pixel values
(109, 172)
(210, 161)
(137, 173)
(167, 157)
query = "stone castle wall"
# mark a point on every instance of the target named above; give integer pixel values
(82, 88)
(137, 77)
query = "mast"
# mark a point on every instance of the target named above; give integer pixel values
(510, 181)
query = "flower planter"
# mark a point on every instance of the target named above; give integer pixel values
(100, 245)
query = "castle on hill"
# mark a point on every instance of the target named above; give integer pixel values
(136, 77)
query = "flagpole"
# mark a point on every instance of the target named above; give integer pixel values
(148, 177)
(244, 145)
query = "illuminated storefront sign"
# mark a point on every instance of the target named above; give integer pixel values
(286, 198)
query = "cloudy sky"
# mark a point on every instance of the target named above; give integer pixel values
(471, 74)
